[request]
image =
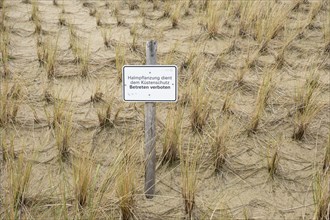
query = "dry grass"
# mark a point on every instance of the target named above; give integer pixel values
(134, 44)
(98, 17)
(189, 174)
(200, 107)
(40, 51)
(302, 120)
(125, 184)
(8, 151)
(175, 15)
(190, 59)
(272, 161)
(326, 160)
(49, 53)
(83, 172)
(62, 20)
(327, 35)
(307, 93)
(84, 56)
(321, 195)
(307, 105)
(55, 2)
(18, 182)
(167, 9)
(9, 104)
(35, 11)
(261, 102)
(172, 136)
(120, 61)
(4, 44)
(63, 130)
(133, 5)
(228, 103)
(105, 115)
(106, 36)
(256, 66)
(213, 19)
(220, 144)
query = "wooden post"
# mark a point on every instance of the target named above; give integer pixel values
(150, 129)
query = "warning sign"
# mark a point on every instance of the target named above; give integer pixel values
(150, 83)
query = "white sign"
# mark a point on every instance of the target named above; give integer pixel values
(144, 83)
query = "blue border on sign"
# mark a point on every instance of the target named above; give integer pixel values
(143, 66)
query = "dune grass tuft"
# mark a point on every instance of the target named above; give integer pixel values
(321, 196)
(307, 105)
(172, 136)
(189, 174)
(261, 101)
(83, 169)
(125, 184)
(19, 175)
(220, 144)
(200, 107)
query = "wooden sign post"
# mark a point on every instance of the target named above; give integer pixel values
(150, 83)
(150, 129)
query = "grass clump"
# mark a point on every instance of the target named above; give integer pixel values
(307, 93)
(120, 61)
(35, 17)
(228, 103)
(9, 104)
(125, 185)
(7, 149)
(104, 116)
(92, 11)
(61, 20)
(307, 105)
(212, 20)
(19, 175)
(49, 53)
(269, 22)
(175, 15)
(120, 19)
(84, 55)
(35, 11)
(75, 44)
(272, 162)
(167, 9)
(261, 102)
(302, 120)
(81, 54)
(134, 44)
(63, 130)
(106, 36)
(321, 196)
(189, 173)
(4, 44)
(97, 97)
(327, 36)
(172, 136)
(326, 160)
(98, 17)
(220, 143)
(200, 107)
(133, 5)
(40, 51)
(82, 180)
(189, 59)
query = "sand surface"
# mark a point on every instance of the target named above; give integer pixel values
(243, 188)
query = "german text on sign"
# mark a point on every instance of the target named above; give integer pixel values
(145, 83)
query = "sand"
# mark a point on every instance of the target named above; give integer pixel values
(243, 188)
